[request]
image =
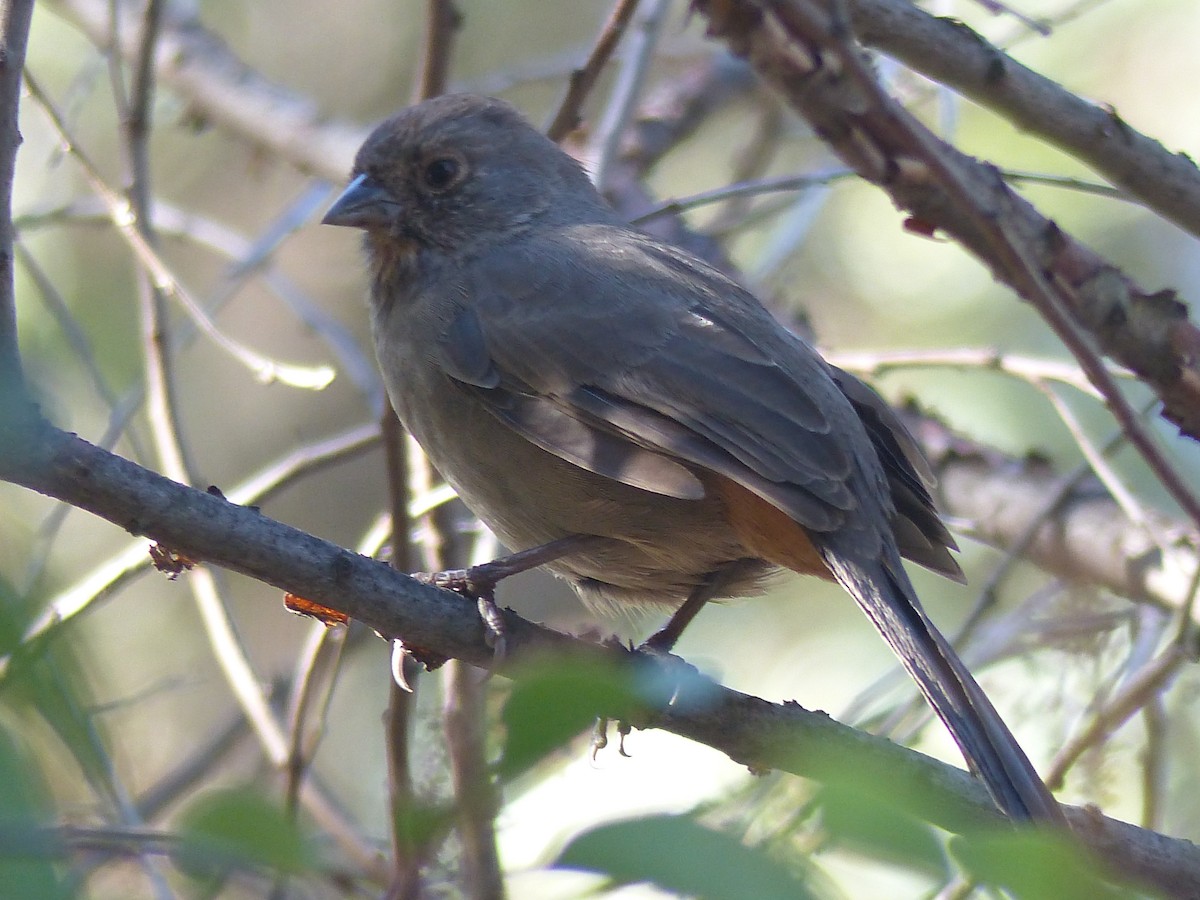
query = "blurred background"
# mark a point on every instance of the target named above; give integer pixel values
(237, 223)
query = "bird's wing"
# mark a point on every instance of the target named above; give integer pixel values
(666, 357)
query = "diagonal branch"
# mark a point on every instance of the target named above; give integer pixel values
(804, 51)
(751, 731)
(949, 52)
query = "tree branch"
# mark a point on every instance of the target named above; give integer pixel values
(947, 51)
(803, 50)
(15, 16)
(206, 527)
(1087, 539)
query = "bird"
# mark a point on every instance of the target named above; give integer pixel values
(588, 388)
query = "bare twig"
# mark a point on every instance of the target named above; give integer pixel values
(408, 851)
(464, 717)
(582, 80)
(442, 21)
(317, 666)
(126, 223)
(75, 336)
(1154, 759)
(1030, 369)
(15, 17)
(1138, 691)
(1113, 483)
(249, 258)
(631, 74)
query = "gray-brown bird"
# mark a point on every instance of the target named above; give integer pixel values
(569, 375)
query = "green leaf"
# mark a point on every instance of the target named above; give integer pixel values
(1033, 864)
(881, 830)
(44, 676)
(679, 855)
(239, 828)
(552, 704)
(26, 853)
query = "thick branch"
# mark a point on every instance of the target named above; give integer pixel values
(1086, 539)
(208, 528)
(800, 48)
(949, 52)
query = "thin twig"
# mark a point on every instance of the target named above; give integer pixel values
(408, 852)
(1124, 497)
(1154, 761)
(125, 220)
(631, 74)
(78, 341)
(248, 257)
(464, 718)
(1030, 369)
(1151, 681)
(317, 667)
(582, 80)
(751, 188)
(15, 17)
(442, 21)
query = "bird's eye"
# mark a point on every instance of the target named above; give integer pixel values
(440, 173)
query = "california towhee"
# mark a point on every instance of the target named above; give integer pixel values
(569, 375)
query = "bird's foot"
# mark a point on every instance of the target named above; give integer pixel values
(477, 583)
(600, 736)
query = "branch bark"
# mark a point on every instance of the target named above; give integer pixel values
(15, 16)
(803, 49)
(205, 527)
(1087, 539)
(949, 52)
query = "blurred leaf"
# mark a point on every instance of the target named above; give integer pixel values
(238, 828)
(679, 855)
(552, 704)
(1034, 865)
(44, 676)
(26, 870)
(878, 828)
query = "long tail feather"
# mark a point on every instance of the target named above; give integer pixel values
(889, 600)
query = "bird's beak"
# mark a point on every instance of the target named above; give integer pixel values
(363, 204)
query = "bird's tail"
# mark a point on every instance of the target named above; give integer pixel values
(889, 600)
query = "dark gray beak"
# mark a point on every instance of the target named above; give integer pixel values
(363, 204)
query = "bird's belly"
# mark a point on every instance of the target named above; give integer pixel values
(664, 546)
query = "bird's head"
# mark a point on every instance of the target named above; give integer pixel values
(456, 173)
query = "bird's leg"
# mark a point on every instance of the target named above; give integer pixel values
(485, 576)
(479, 582)
(664, 640)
